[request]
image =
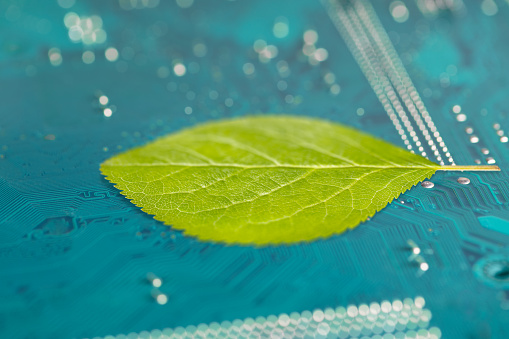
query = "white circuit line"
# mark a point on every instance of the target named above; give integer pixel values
(370, 67)
(372, 48)
(406, 88)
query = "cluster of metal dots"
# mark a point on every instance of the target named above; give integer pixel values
(405, 87)
(416, 256)
(265, 52)
(84, 29)
(370, 67)
(104, 104)
(157, 282)
(179, 69)
(374, 52)
(399, 319)
(431, 8)
(87, 30)
(314, 55)
(88, 57)
(141, 4)
(330, 79)
(500, 133)
(473, 138)
(399, 77)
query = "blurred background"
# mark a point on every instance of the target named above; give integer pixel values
(83, 80)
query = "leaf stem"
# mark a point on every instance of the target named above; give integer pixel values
(469, 168)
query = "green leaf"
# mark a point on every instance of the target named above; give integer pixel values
(265, 179)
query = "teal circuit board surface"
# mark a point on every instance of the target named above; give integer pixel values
(84, 80)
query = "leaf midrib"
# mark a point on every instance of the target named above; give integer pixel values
(274, 166)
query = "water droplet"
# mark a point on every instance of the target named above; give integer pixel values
(498, 270)
(427, 184)
(463, 180)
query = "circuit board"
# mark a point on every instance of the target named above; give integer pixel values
(84, 80)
